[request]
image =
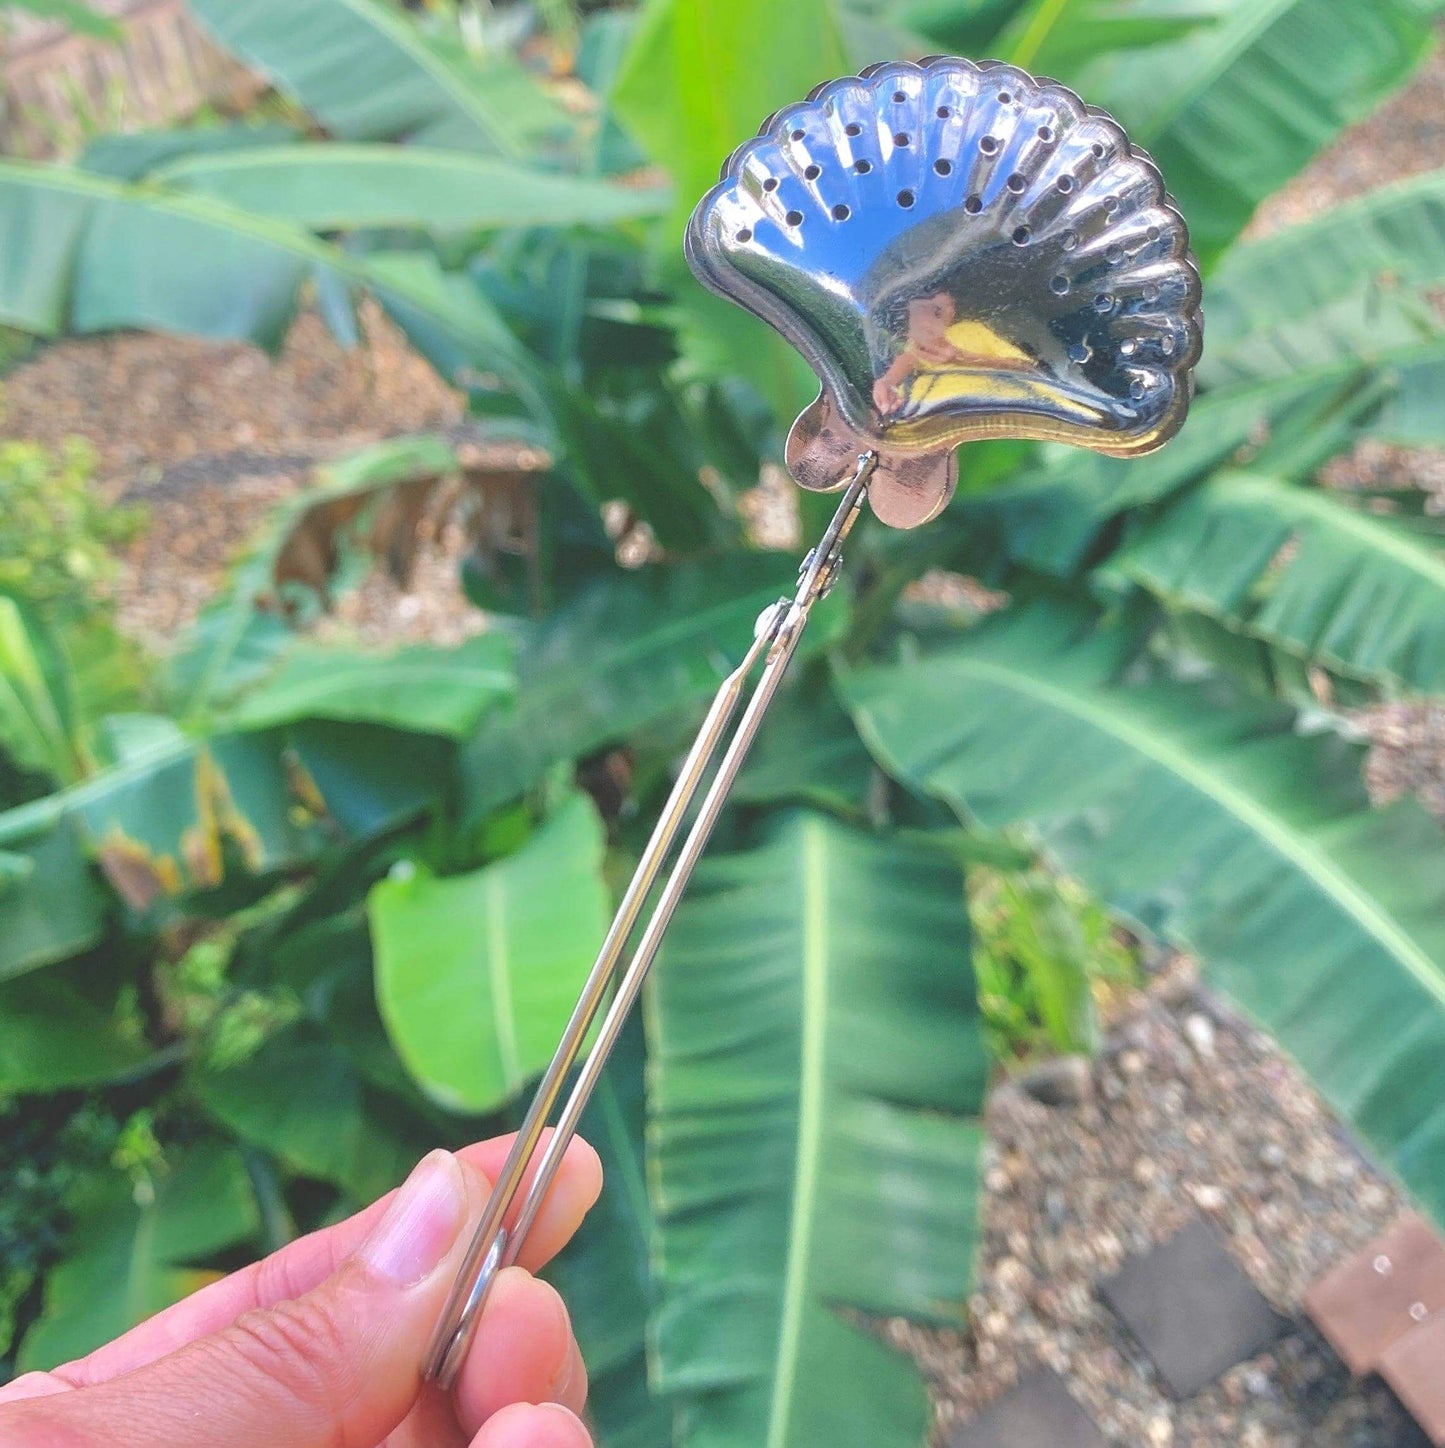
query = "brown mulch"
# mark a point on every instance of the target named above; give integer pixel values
(207, 437)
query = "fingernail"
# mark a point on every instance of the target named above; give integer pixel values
(574, 1423)
(421, 1223)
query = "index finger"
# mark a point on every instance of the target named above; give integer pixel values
(308, 1261)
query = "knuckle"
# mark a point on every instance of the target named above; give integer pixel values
(302, 1348)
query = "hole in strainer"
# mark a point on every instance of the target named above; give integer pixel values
(794, 218)
(1021, 235)
(905, 199)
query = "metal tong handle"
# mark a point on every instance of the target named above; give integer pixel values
(494, 1245)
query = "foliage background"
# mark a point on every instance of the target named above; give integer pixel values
(277, 917)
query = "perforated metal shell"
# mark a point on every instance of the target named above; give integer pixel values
(961, 251)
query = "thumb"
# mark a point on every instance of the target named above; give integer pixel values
(338, 1367)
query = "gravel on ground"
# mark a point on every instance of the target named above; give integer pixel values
(1192, 1111)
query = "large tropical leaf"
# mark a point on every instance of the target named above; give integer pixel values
(1060, 37)
(477, 974)
(80, 253)
(689, 113)
(1357, 593)
(367, 72)
(51, 904)
(185, 816)
(130, 155)
(628, 649)
(605, 1271)
(75, 15)
(1356, 288)
(126, 1253)
(348, 187)
(1217, 824)
(687, 109)
(300, 1099)
(1237, 108)
(424, 688)
(817, 1069)
(39, 726)
(53, 1036)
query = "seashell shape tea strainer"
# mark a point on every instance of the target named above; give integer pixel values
(961, 252)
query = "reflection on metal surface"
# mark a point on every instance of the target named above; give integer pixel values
(961, 252)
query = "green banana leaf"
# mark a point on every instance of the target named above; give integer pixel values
(126, 1254)
(1358, 593)
(627, 649)
(816, 1073)
(689, 113)
(1353, 289)
(130, 155)
(809, 752)
(39, 725)
(54, 1037)
(1216, 824)
(476, 974)
(605, 1271)
(186, 816)
(1060, 37)
(300, 1099)
(350, 187)
(51, 904)
(1234, 110)
(424, 688)
(75, 15)
(1412, 415)
(81, 253)
(368, 72)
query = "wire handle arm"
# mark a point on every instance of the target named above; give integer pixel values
(494, 1244)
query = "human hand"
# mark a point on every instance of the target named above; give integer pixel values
(321, 1344)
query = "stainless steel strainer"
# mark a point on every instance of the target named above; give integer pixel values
(961, 251)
